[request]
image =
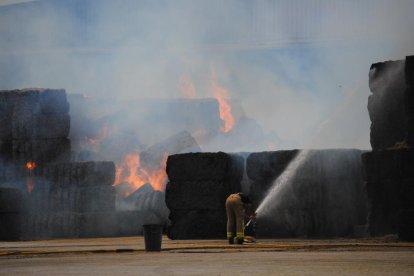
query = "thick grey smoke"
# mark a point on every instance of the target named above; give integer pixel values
(297, 71)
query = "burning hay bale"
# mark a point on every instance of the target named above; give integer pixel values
(125, 121)
(196, 192)
(141, 178)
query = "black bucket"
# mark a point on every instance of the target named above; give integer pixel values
(153, 237)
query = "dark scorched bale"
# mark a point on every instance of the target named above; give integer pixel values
(204, 166)
(204, 195)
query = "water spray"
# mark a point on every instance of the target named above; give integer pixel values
(282, 181)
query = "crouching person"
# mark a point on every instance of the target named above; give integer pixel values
(237, 205)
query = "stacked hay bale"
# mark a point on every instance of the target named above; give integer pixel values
(79, 201)
(324, 197)
(263, 168)
(59, 198)
(198, 186)
(34, 125)
(10, 214)
(389, 167)
(40, 126)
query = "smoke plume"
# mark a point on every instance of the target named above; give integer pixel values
(297, 71)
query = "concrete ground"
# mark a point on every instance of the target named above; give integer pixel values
(127, 256)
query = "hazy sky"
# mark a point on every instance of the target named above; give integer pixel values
(298, 68)
(8, 2)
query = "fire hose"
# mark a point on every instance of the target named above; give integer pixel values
(248, 223)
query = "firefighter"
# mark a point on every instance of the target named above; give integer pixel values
(237, 205)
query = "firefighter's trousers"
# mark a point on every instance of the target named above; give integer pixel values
(235, 217)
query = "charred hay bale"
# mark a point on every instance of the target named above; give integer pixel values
(407, 194)
(410, 130)
(98, 224)
(39, 114)
(53, 101)
(311, 223)
(58, 200)
(387, 75)
(37, 200)
(388, 116)
(46, 225)
(10, 214)
(331, 164)
(385, 193)
(259, 190)
(204, 166)
(40, 126)
(10, 200)
(268, 165)
(409, 102)
(195, 195)
(39, 100)
(388, 106)
(391, 105)
(41, 150)
(62, 225)
(311, 207)
(406, 225)
(81, 174)
(100, 173)
(6, 149)
(388, 164)
(10, 229)
(13, 176)
(50, 126)
(96, 199)
(409, 70)
(82, 199)
(384, 205)
(197, 224)
(65, 199)
(384, 135)
(26, 106)
(7, 100)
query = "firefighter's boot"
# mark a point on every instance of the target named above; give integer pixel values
(239, 240)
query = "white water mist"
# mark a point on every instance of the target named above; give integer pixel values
(282, 182)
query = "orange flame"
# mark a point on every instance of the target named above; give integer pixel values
(131, 172)
(222, 96)
(30, 165)
(186, 87)
(102, 134)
